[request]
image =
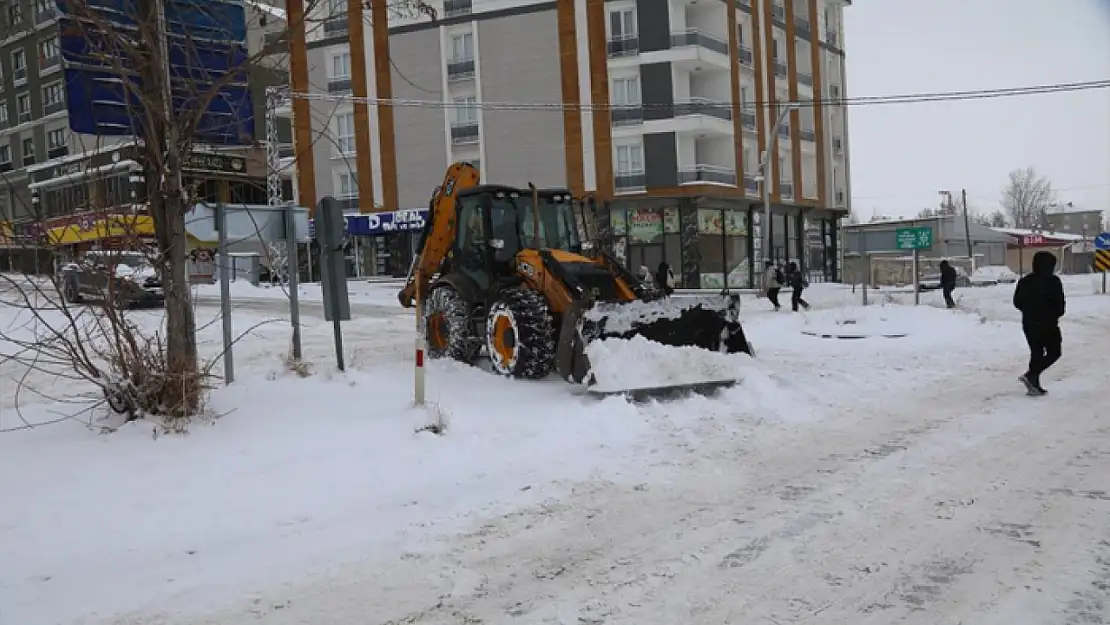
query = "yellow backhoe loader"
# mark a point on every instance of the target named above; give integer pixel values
(506, 270)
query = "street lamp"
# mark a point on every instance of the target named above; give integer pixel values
(764, 175)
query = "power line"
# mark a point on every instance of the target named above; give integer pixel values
(913, 98)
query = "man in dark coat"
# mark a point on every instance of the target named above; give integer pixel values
(797, 281)
(1040, 298)
(947, 282)
(664, 279)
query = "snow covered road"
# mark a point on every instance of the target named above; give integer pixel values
(871, 482)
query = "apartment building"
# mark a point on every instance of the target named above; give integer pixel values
(657, 108)
(50, 174)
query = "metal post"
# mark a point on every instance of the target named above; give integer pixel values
(337, 332)
(768, 153)
(418, 381)
(1104, 283)
(967, 231)
(293, 265)
(225, 292)
(916, 281)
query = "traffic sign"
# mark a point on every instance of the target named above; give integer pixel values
(914, 238)
(1102, 260)
(1102, 241)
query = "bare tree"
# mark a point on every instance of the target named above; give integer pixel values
(1027, 197)
(994, 219)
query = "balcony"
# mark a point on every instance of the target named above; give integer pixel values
(49, 63)
(463, 132)
(751, 185)
(57, 152)
(335, 26)
(780, 69)
(339, 85)
(627, 115)
(807, 135)
(453, 8)
(786, 188)
(805, 78)
(699, 174)
(49, 108)
(627, 45)
(703, 106)
(626, 181)
(747, 120)
(778, 12)
(832, 38)
(745, 56)
(802, 28)
(699, 38)
(25, 117)
(462, 69)
(45, 15)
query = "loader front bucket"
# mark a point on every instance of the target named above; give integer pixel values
(710, 323)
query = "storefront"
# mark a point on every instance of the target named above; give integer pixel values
(383, 243)
(714, 242)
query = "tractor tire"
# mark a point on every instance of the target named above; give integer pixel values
(447, 324)
(520, 335)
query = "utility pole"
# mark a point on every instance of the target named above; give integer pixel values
(967, 228)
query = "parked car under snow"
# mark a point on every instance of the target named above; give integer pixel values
(993, 274)
(120, 279)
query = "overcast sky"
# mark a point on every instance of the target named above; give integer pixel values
(901, 155)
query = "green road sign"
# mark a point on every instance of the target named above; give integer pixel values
(914, 238)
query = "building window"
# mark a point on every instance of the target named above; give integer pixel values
(19, 65)
(466, 111)
(341, 65)
(337, 7)
(28, 151)
(348, 185)
(15, 13)
(23, 106)
(622, 24)
(5, 154)
(626, 91)
(48, 50)
(462, 47)
(345, 133)
(630, 158)
(52, 94)
(4, 113)
(56, 139)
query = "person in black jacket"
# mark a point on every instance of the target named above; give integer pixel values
(947, 282)
(797, 282)
(1040, 298)
(664, 279)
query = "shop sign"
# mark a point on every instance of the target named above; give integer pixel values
(397, 221)
(216, 163)
(672, 223)
(645, 225)
(618, 222)
(710, 222)
(736, 223)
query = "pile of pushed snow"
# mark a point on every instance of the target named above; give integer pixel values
(619, 364)
(621, 317)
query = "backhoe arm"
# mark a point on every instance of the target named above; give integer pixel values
(439, 232)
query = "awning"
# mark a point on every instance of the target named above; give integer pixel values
(97, 227)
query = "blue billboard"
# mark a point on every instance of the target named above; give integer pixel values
(386, 222)
(206, 41)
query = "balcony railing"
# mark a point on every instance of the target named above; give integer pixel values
(19, 74)
(807, 135)
(703, 106)
(832, 37)
(626, 45)
(57, 152)
(802, 28)
(706, 173)
(47, 63)
(780, 69)
(747, 120)
(335, 26)
(464, 132)
(339, 85)
(751, 185)
(629, 181)
(700, 38)
(52, 107)
(25, 117)
(778, 11)
(462, 69)
(745, 55)
(805, 78)
(627, 115)
(451, 8)
(43, 16)
(786, 187)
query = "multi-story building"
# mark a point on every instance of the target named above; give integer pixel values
(1085, 222)
(50, 175)
(659, 109)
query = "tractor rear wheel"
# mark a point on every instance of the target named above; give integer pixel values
(520, 335)
(447, 324)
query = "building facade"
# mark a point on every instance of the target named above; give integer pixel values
(50, 175)
(658, 109)
(1083, 222)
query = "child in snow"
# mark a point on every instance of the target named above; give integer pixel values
(1040, 298)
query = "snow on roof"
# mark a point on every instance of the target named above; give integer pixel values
(263, 5)
(892, 222)
(1024, 232)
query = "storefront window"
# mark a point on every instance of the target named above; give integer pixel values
(645, 226)
(736, 248)
(618, 222)
(711, 248)
(778, 238)
(792, 243)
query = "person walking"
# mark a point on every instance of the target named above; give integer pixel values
(797, 282)
(947, 282)
(1040, 297)
(664, 279)
(772, 283)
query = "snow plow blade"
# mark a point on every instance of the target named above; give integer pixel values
(710, 323)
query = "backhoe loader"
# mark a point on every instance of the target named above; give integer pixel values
(506, 270)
